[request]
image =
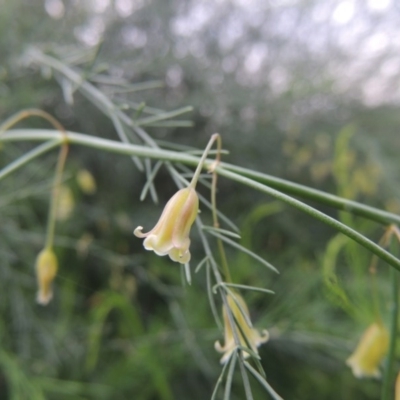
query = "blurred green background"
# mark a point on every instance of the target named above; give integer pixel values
(304, 90)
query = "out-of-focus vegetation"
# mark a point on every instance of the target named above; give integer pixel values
(304, 90)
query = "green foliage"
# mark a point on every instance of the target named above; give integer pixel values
(122, 324)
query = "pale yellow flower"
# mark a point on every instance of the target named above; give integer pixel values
(46, 270)
(86, 181)
(370, 351)
(171, 233)
(254, 338)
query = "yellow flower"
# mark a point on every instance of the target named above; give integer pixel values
(86, 181)
(252, 335)
(46, 270)
(171, 233)
(370, 351)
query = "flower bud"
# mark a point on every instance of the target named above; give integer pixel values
(46, 270)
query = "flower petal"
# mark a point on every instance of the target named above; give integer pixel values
(171, 233)
(370, 351)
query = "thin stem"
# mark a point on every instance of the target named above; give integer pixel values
(359, 238)
(202, 159)
(245, 287)
(331, 200)
(224, 261)
(388, 374)
(166, 155)
(385, 242)
(232, 364)
(52, 217)
(339, 203)
(28, 157)
(263, 382)
(374, 289)
(33, 112)
(221, 249)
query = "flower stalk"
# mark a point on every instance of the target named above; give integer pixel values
(221, 249)
(394, 278)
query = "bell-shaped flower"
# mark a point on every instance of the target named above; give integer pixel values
(46, 270)
(370, 351)
(171, 233)
(253, 337)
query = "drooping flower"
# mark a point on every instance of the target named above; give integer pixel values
(254, 338)
(171, 233)
(370, 351)
(46, 269)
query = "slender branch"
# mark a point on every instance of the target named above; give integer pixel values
(31, 112)
(387, 393)
(166, 155)
(61, 135)
(214, 209)
(200, 165)
(328, 199)
(51, 222)
(28, 157)
(316, 195)
(359, 238)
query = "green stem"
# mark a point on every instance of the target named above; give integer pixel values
(33, 112)
(200, 165)
(361, 239)
(222, 170)
(328, 199)
(221, 249)
(51, 222)
(387, 386)
(374, 290)
(318, 196)
(28, 157)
